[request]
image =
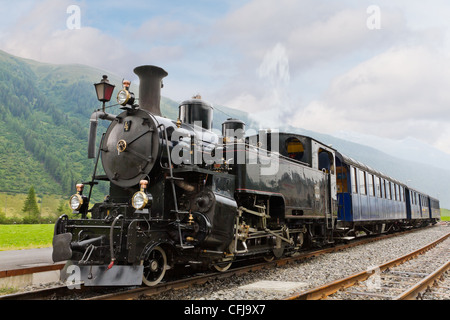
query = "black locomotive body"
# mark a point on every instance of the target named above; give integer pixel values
(181, 194)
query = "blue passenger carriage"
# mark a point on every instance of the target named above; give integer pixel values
(368, 197)
(421, 208)
(416, 207)
(435, 211)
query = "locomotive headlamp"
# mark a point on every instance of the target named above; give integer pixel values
(76, 201)
(124, 96)
(141, 198)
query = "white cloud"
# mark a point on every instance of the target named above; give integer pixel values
(443, 141)
(390, 82)
(162, 30)
(313, 64)
(42, 34)
(401, 83)
(270, 103)
(325, 38)
(401, 92)
(311, 32)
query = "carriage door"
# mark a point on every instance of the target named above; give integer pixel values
(326, 165)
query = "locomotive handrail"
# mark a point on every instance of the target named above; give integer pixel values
(91, 183)
(172, 182)
(93, 129)
(111, 242)
(164, 136)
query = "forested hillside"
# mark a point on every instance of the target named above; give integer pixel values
(41, 137)
(44, 119)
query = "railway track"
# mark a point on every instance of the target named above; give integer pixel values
(404, 278)
(94, 293)
(147, 293)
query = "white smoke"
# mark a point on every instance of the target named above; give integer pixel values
(268, 103)
(275, 77)
(275, 67)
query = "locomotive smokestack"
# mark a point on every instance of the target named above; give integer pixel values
(150, 87)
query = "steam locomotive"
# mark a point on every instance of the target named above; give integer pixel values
(183, 194)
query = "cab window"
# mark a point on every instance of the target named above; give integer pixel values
(295, 148)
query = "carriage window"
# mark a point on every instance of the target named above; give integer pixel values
(378, 182)
(294, 148)
(391, 191)
(354, 181)
(371, 185)
(388, 190)
(362, 182)
(341, 179)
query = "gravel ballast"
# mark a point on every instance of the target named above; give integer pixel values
(309, 273)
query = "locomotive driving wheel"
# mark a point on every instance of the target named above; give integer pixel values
(222, 266)
(155, 266)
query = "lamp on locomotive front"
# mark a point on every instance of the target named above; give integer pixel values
(124, 96)
(141, 198)
(104, 90)
(79, 203)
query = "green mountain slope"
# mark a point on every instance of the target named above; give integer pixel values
(42, 143)
(44, 119)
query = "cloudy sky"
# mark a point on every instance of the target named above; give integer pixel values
(378, 67)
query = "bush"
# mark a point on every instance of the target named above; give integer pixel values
(3, 219)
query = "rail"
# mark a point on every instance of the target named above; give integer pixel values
(325, 290)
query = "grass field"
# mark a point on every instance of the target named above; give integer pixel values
(12, 204)
(445, 214)
(25, 236)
